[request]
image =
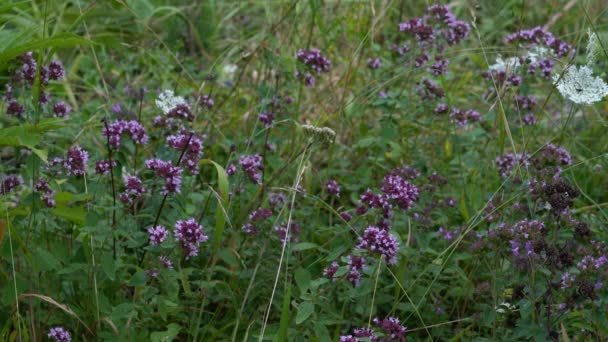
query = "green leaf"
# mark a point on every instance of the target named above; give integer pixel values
(220, 214)
(73, 214)
(107, 263)
(47, 261)
(62, 40)
(302, 277)
(322, 332)
(304, 311)
(167, 335)
(302, 246)
(285, 314)
(123, 311)
(139, 279)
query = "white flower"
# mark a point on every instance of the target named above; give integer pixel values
(167, 100)
(504, 307)
(229, 70)
(580, 86)
(511, 64)
(594, 47)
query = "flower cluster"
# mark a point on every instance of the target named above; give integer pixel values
(390, 330)
(47, 194)
(379, 241)
(61, 110)
(538, 36)
(333, 188)
(116, 129)
(167, 101)
(461, 118)
(313, 61)
(166, 170)
(255, 217)
(507, 162)
(9, 183)
(192, 153)
(134, 189)
(157, 235)
(190, 235)
(76, 161)
(59, 334)
(102, 167)
(251, 165)
(400, 191)
(579, 85)
(283, 232)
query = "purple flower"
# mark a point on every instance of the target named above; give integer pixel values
(346, 216)
(333, 188)
(181, 111)
(206, 101)
(379, 241)
(393, 329)
(61, 110)
(190, 235)
(158, 234)
(47, 193)
(102, 167)
(133, 189)
(439, 67)
(76, 161)
(260, 214)
(9, 183)
(441, 108)
(507, 162)
(313, 61)
(251, 164)
(267, 118)
(59, 334)
(193, 152)
(231, 170)
(418, 27)
(529, 119)
(14, 108)
(116, 108)
(399, 190)
(171, 174)
(56, 72)
(538, 36)
(284, 233)
(249, 229)
(330, 271)
(373, 63)
(165, 261)
(116, 129)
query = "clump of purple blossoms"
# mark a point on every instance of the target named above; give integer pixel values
(206, 100)
(390, 328)
(355, 265)
(461, 118)
(400, 191)
(61, 110)
(102, 167)
(116, 129)
(171, 174)
(190, 235)
(134, 189)
(373, 63)
(379, 241)
(267, 118)
(330, 271)
(251, 165)
(283, 233)
(539, 36)
(157, 235)
(507, 162)
(333, 188)
(9, 183)
(193, 152)
(59, 334)
(552, 155)
(231, 169)
(165, 261)
(76, 161)
(47, 193)
(313, 61)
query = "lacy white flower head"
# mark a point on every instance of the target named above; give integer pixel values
(595, 47)
(511, 64)
(580, 86)
(167, 101)
(325, 135)
(229, 70)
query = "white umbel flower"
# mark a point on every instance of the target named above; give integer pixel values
(167, 100)
(580, 86)
(511, 64)
(595, 51)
